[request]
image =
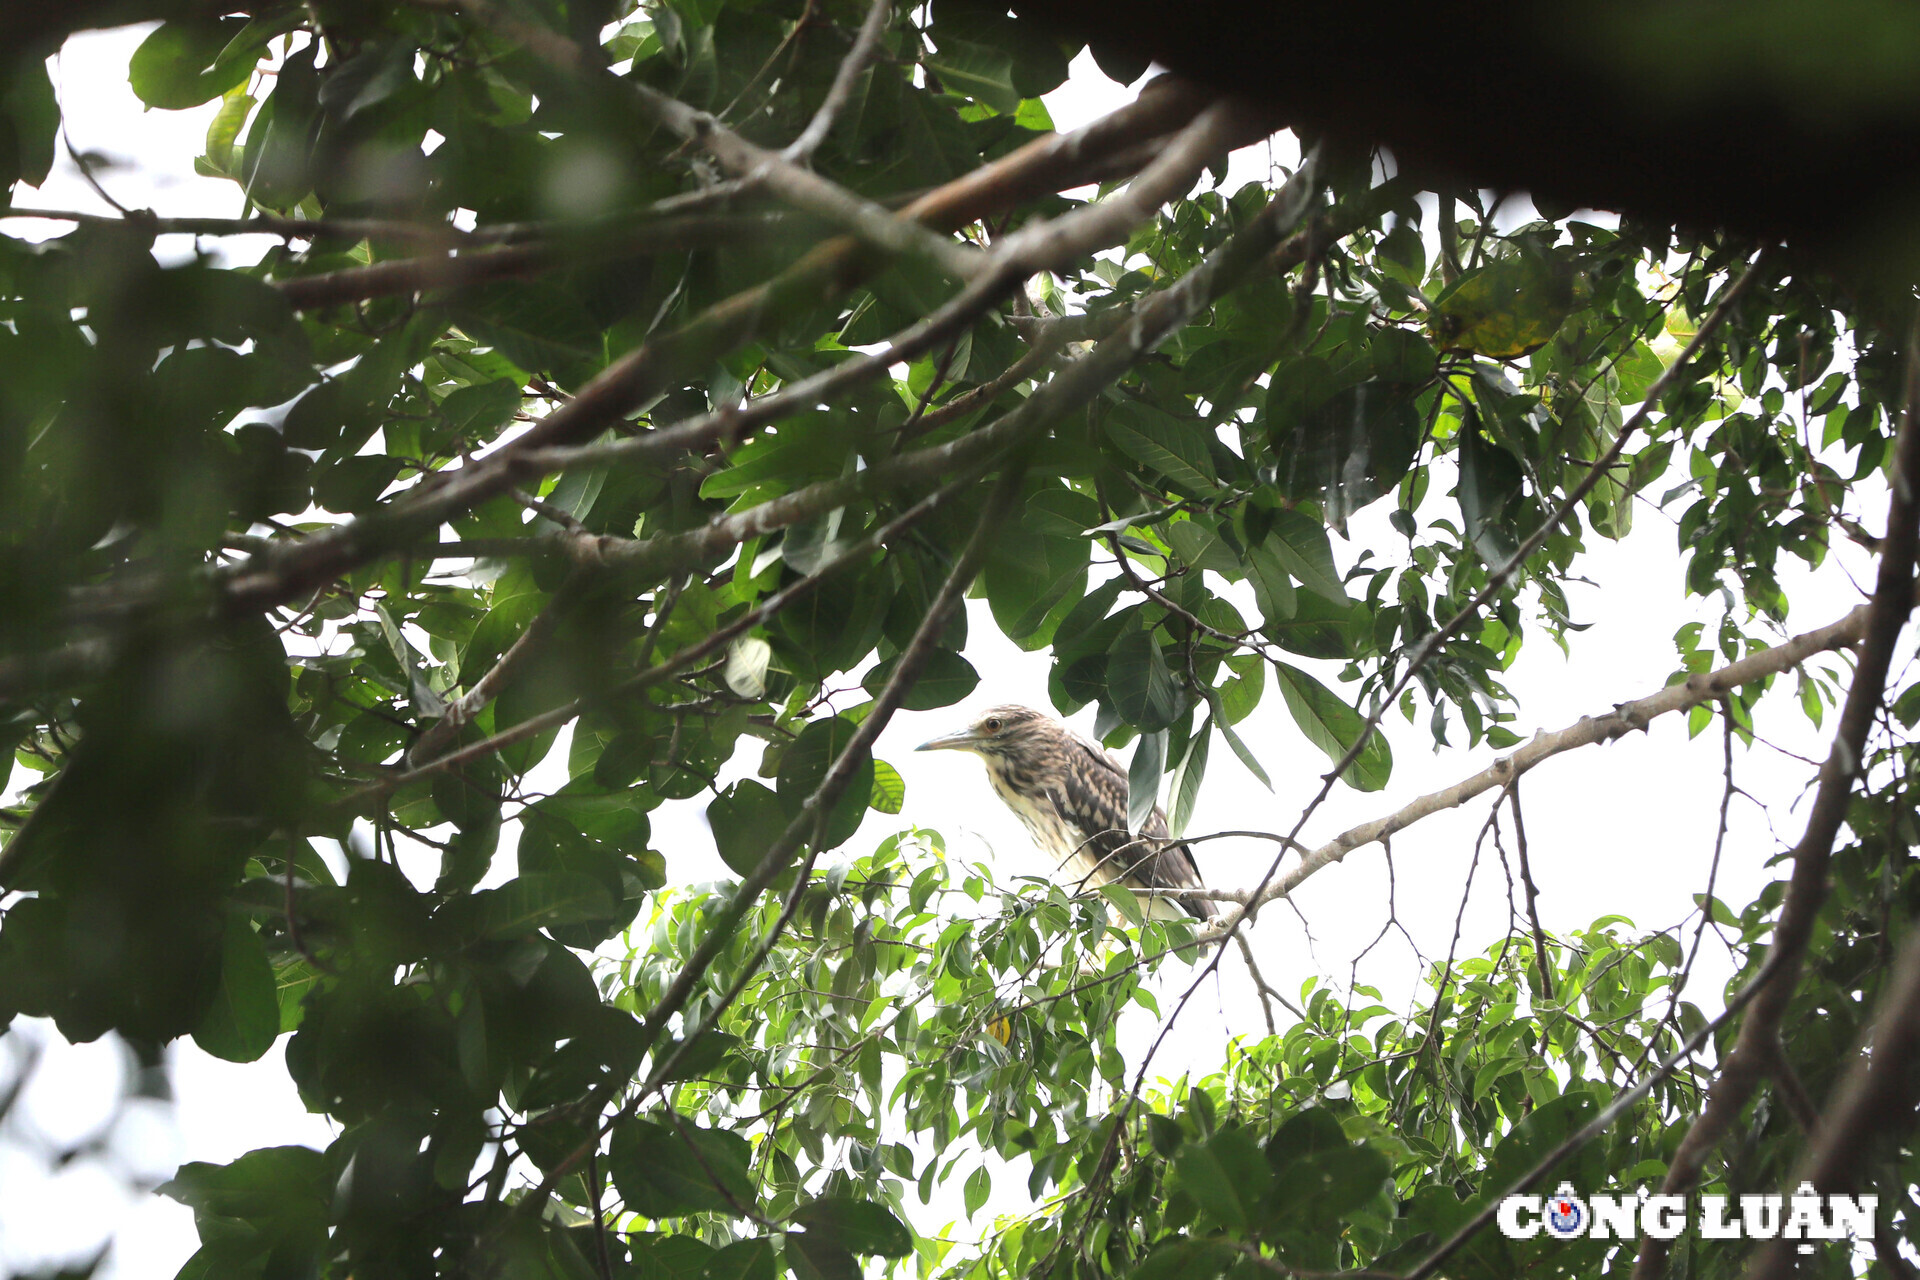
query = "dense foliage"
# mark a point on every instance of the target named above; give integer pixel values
(555, 404)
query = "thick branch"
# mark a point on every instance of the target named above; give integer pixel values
(1875, 1099)
(1068, 237)
(1048, 164)
(1625, 718)
(792, 182)
(1497, 578)
(1746, 1064)
(457, 271)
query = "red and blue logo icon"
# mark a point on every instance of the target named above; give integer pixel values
(1566, 1213)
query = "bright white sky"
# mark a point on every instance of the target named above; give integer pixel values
(1626, 828)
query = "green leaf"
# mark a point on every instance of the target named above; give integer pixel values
(1143, 778)
(978, 71)
(946, 678)
(1333, 726)
(292, 981)
(1060, 513)
(281, 1194)
(746, 819)
(668, 1170)
(1026, 577)
(813, 1258)
(1346, 448)
(244, 1019)
(1506, 309)
(542, 900)
(1226, 1176)
(804, 766)
(1187, 777)
(537, 324)
(1186, 1260)
(34, 112)
(1198, 545)
(979, 1184)
(1139, 682)
(1240, 748)
(1273, 592)
(224, 130)
(1121, 64)
(1126, 901)
(742, 1260)
(889, 789)
(1489, 481)
(185, 62)
(477, 412)
(1165, 1133)
(857, 1226)
(1325, 1181)
(705, 1054)
(1163, 444)
(353, 485)
(1300, 543)
(1400, 355)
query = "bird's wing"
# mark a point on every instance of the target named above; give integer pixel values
(1172, 866)
(1093, 797)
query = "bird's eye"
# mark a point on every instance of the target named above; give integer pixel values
(993, 725)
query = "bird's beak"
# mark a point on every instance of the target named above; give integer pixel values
(959, 740)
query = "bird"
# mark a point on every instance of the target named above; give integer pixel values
(1072, 797)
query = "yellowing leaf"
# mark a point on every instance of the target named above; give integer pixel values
(1507, 309)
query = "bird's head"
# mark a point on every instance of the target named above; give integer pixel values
(999, 731)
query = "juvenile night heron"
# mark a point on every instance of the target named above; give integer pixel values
(1072, 797)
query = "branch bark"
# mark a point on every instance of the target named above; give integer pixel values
(1893, 598)
(1053, 163)
(865, 45)
(1625, 718)
(515, 261)
(892, 234)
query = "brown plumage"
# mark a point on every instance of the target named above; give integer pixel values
(1072, 796)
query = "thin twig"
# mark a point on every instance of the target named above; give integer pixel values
(1622, 1103)
(1533, 893)
(797, 185)
(801, 149)
(601, 1257)
(1496, 579)
(1047, 164)
(1727, 789)
(780, 854)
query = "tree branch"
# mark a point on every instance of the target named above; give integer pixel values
(458, 271)
(805, 825)
(1625, 718)
(854, 556)
(1893, 599)
(895, 235)
(270, 224)
(1533, 893)
(1875, 1099)
(865, 45)
(1053, 163)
